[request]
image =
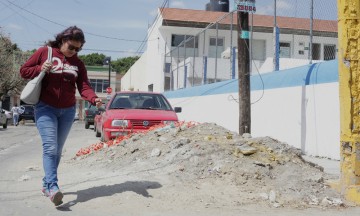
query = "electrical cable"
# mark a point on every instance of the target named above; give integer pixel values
(7, 6)
(59, 24)
(15, 12)
(152, 26)
(257, 69)
(102, 50)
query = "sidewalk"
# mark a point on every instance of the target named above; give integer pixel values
(330, 166)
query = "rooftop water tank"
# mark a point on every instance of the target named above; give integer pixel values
(218, 5)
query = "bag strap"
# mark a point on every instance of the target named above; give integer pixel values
(49, 53)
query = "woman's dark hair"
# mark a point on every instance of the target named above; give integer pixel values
(71, 33)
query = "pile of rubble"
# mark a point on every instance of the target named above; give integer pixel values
(263, 170)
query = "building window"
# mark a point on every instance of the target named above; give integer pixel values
(179, 40)
(99, 85)
(180, 43)
(151, 88)
(316, 51)
(329, 51)
(212, 47)
(167, 67)
(167, 84)
(285, 50)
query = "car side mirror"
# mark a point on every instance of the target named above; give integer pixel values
(178, 109)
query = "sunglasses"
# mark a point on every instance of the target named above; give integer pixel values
(72, 47)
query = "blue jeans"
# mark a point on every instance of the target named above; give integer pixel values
(54, 125)
(15, 118)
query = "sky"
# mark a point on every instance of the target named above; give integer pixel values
(117, 28)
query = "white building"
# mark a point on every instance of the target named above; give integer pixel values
(165, 66)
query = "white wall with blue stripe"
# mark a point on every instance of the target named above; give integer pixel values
(298, 106)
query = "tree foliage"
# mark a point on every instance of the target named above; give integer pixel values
(120, 65)
(10, 59)
(93, 59)
(123, 65)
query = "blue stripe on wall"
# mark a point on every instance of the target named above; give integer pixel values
(324, 72)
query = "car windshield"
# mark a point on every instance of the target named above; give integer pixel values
(140, 101)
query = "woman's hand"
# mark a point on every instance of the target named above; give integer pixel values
(98, 102)
(46, 66)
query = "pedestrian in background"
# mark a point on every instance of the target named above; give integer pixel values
(15, 114)
(56, 109)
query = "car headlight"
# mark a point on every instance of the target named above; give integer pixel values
(119, 123)
(169, 122)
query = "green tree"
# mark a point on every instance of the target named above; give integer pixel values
(93, 59)
(10, 59)
(122, 65)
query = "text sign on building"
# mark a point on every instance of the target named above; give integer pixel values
(245, 6)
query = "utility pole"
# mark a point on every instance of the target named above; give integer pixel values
(276, 60)
(244, 64)
(311, 31)
(349, 65)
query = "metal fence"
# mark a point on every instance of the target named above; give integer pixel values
(210, 55)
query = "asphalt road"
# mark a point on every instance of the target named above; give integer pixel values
(21, 167)
(90, 191)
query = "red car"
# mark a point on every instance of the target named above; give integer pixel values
(132, 112)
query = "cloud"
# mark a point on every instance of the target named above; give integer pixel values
(281, 5)
(177, 4)
(265, 10)
(112, 24)
(131, 52)
(14, 26)
(153, 13)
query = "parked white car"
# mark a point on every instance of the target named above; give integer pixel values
(8, 114)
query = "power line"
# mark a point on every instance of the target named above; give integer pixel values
(119, 51)
(152, 28)
(59, 24)
(15, 12)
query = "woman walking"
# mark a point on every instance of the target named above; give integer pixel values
(55, 111)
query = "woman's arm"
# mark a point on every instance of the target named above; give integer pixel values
(32, 67)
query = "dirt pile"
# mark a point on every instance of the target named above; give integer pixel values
(257, 170)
